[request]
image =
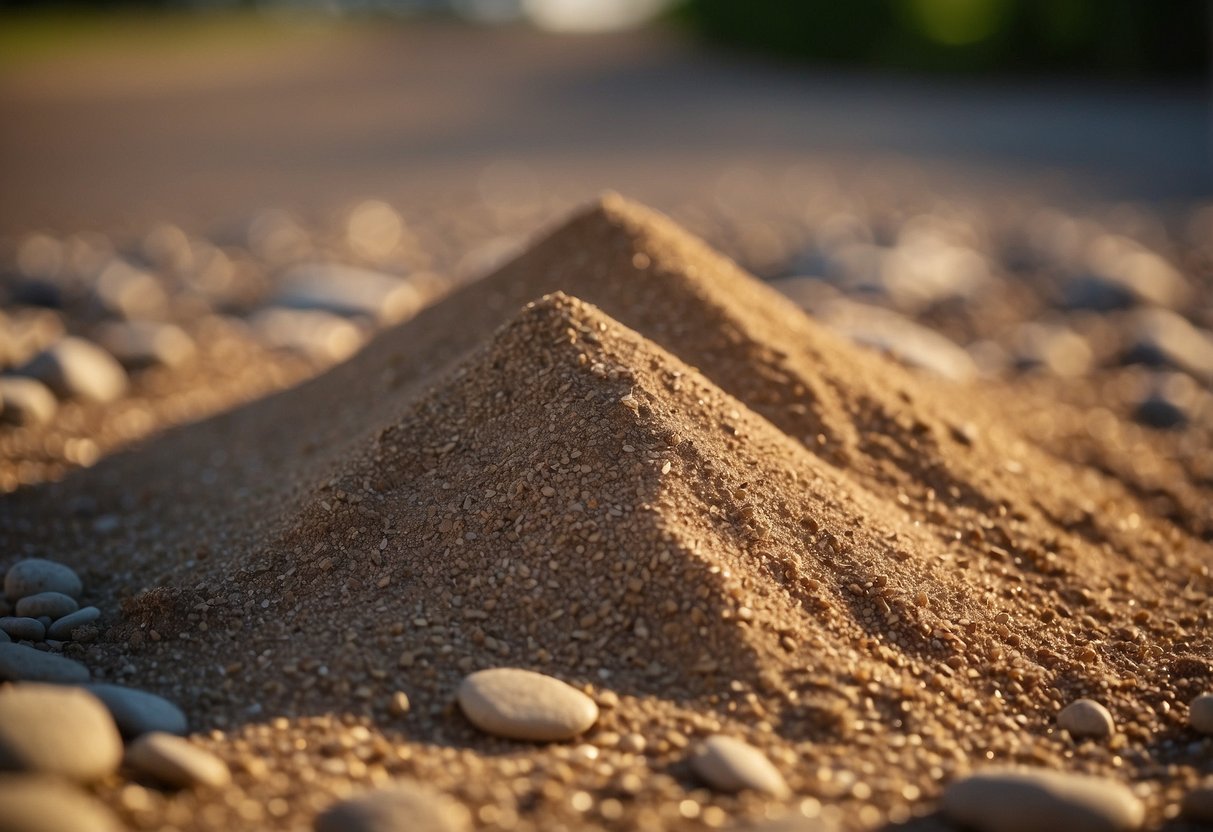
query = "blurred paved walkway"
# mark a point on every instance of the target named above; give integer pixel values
(411, 112)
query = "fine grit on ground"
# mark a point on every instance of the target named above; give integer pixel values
(624, 463)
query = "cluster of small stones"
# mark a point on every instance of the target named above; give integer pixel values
(523, 705)
(101, 342)
(62, 733)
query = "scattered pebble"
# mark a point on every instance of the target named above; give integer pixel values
(1162, 338)
(56, 730)
(399, 705)
(1006, 800)
(26, 401)
(1200, 714)
(1198, 805)
(19, 663)
(128, 292)
(44, 804)
(524, 705)
(147, 343)
(633, 743)
(1086, 718)
(53, 604)
(904, 339)
(23, 628)
(138, 712)
(1120, 273)
(62, 629)
(176, 762)
(321, 336)
(404, 805)
(732, 765)
(345, 290)
(1054, 348)
(35, 575)
(78, 369)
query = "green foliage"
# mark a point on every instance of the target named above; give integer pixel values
(1092, 37)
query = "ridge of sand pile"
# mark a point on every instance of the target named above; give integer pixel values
(574, 496)
(926, 443)
(902, 577)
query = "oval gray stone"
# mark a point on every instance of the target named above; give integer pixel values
(146, 343)
(138, 712)
(52, 604)
(29, 577)
(1200, 714)
(26, 401)
(1027, 800)
(43, 804)
(76, 368)
(524, 705)
(62, 629)
(1086, 718)
(406, 805)
(23, 629)
(19, 663)
(176, 762)
(50, 729)
(728, 764)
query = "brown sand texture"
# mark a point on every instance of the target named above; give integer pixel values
(626, 463)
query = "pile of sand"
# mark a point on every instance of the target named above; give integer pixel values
(686, 498)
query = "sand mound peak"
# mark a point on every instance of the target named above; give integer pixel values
(568, 497)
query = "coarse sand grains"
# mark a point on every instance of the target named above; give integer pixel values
(624, 463)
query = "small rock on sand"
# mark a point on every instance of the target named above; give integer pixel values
(26, 401)
(47, 729)
(138, 712)
(524, 705)
(1008, 800)
(147, 343)
(23, 628)
(1198, 805)
(1084, 718)
(62, 629)
(19, 663)
(346, 290)
(35, 575)
(43, 804)
(129, 292)
(728, 764)
(405, 805)
(78, 369)
(322, 336)
(176, 762)
(52, 604)
(1200, 714)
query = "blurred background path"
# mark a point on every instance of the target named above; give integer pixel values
(418, 112)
